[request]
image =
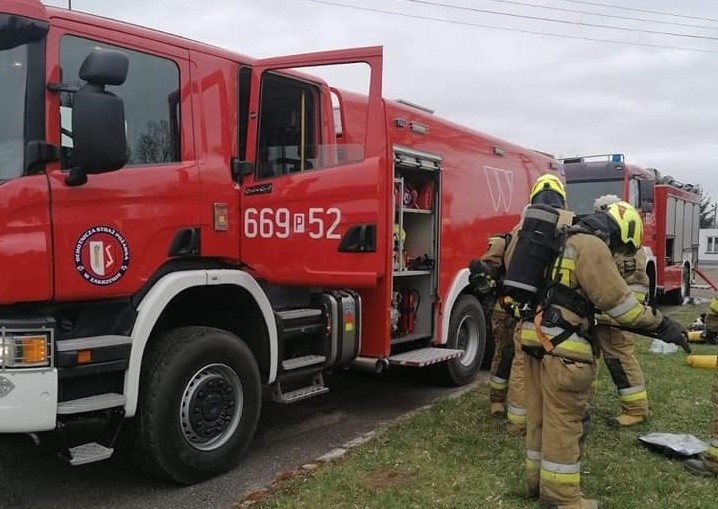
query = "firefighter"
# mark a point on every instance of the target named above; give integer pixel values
(547, 190)
(617, 346)
(485, 278)
(556, 315)
(708, 465)
(506, 382)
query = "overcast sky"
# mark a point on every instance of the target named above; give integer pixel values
(564, 96)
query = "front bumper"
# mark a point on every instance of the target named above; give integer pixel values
(28, 400)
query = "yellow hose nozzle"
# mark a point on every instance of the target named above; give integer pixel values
(702, 361)
(695, 336)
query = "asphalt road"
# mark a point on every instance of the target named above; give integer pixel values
(288, 437)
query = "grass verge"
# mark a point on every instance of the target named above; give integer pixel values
(454, 455)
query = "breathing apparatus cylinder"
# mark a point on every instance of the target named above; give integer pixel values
(538, 243)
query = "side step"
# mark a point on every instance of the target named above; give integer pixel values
(91, 404)
(89, 453)
(302, 362)
(316, 388)
(424, 356)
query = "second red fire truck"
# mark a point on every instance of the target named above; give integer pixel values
(184, 226)
(670, 211)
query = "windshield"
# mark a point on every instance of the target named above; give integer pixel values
(581, 195)
(13, 76)
(21, 89)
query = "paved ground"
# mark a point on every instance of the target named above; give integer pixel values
(288, 437)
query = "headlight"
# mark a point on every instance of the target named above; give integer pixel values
(24, 349)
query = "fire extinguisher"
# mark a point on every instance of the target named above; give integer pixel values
(425, 200)
(408, 307)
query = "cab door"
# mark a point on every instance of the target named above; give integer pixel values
(314, 211)
(112, 233)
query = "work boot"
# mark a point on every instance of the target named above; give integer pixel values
(497, 409)
(583, 503)
(532, 488)
(625, 420)
(698, 467)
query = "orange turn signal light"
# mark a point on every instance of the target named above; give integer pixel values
(84, 356)
(34, 349)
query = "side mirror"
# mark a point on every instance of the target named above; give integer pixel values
(98, 117)
(645, 188)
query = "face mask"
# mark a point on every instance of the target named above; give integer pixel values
(608, 231)
(600, 224)
(548, 197)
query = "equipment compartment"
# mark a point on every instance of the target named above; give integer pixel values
(415, 237)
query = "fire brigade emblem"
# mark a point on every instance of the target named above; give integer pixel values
(102, 255)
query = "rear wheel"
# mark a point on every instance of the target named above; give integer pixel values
(467, 332)
(199, 404)
(676, 297)
(651, 298)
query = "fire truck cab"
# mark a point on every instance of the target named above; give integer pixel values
(670, 212)
(184, 226)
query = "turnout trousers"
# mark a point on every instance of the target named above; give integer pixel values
(502, 327)
(617, 348)
(516, 398)
(557, 399)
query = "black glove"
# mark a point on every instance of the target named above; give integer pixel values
(479, 278)
(672, 332)
(710, 337)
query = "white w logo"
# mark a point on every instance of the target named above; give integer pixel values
(501, 187)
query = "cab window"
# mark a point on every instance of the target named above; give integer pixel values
(288, 127)
(152, 112)
(633, 193)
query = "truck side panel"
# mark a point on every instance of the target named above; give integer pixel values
(485, 185)
(214, 89)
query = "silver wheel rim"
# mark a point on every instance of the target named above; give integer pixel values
(211, 407)
(468, 339)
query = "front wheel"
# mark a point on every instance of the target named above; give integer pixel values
(467, 332)
(199, 404)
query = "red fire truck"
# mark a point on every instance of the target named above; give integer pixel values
(184, 227)
(670, 211)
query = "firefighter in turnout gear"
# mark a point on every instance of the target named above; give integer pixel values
(556, 276)
(708, 465)
(616, 345)
(506, 382)
(547, 190)
(502, 324)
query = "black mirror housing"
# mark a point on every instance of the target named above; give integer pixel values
(646, 193)
(98, 130)
(98, 117)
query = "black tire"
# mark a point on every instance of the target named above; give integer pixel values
(676, 297)
(188, 390)
(652, 297)
(467, 331)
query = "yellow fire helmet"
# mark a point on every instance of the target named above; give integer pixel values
(399, 232)
(630, 225)
(548, 182)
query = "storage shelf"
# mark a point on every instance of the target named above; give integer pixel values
(398, 273)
